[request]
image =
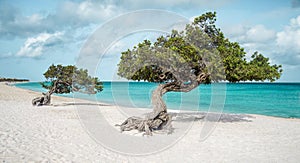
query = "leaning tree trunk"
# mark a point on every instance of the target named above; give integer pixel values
(45, 99)
(155, 120)
(159, 118)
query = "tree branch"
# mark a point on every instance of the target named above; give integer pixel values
(183, 87)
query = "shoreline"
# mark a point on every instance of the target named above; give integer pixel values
(59, 133)
(169, 109)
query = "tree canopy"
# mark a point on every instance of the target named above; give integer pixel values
(66, 79)
(201, 48)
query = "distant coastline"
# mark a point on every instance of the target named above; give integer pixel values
(13, 80)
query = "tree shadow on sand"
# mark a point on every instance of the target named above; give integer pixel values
(184, 116)
(80, 103)
(211, 117)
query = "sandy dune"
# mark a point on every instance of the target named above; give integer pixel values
(84, 131)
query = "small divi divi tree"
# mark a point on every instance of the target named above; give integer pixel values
(183, 60)
(67, 79)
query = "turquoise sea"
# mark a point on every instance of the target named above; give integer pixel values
(273, 99)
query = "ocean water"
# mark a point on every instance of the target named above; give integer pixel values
(272, 99)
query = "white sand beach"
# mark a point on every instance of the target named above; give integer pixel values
(68, 131)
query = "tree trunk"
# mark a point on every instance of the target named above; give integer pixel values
(155, 120)
(159, 118)
(45, 99)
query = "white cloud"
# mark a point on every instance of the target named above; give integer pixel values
(282, 47)
(90, 11)
(35, 46)
(288, 43)
(76, 14)
(83, 13)
(289, 38)
(254, 38)
(76, 19)
(73, 17)
(234, 32)
(259, 33)
(256, 34)
(69, 14)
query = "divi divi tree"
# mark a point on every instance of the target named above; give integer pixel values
(182, 60)
(67, 79)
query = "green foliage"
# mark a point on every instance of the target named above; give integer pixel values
(233, 56)
(66, 79)
(260, 69)
(200, 48)
(12, 80)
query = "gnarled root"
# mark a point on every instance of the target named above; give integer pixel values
(147, 125)
(37, 101)
(44, 100)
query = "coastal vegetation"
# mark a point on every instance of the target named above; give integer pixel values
(13, 80)
(182, 60)
(67, 79)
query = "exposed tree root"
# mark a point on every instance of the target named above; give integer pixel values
(147, 125)
(156, 120)
(44, 100)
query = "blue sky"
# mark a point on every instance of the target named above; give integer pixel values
(34, 34)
